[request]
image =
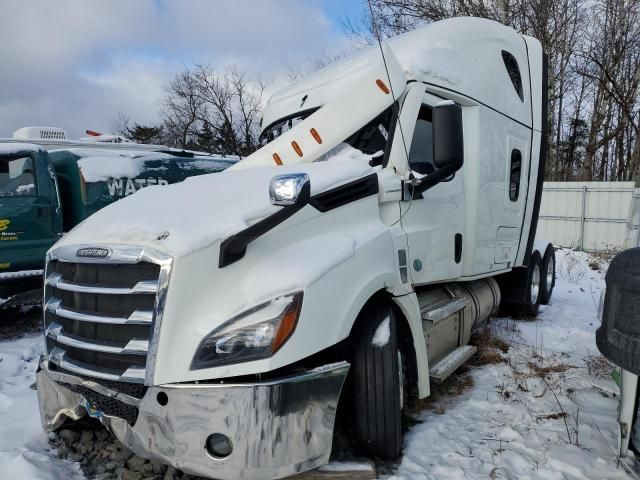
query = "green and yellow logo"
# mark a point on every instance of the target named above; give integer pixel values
(4, 224)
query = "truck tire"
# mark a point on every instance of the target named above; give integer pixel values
(377, 383)
(548, 275)
(533, 295)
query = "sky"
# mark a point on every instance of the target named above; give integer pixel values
(76, 64)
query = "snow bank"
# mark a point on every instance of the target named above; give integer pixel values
(509, 425)
(24, 448)
(187, 216)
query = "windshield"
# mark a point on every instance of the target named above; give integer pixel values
(370, 140)
(282, 126)
(17, 178)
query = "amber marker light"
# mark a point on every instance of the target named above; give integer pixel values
(382, 86)
(287, 324)
(297, 148)
(277, 159)
(316, 135)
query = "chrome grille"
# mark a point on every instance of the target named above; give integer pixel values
(100, 314)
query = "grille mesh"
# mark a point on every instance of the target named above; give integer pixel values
(103, 304)
(107, 334)
(87, 335)
(108, 406)
(106, 275)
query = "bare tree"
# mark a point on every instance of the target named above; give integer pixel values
(217, 110)
(594, 71)
(121, 124)
(184, 108)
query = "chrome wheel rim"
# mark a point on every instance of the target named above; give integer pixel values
(549, 272)
(535, 284)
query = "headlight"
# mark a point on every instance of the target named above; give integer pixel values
(254, 334)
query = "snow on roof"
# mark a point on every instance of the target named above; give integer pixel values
(463, 54)
(13, 148)
(100, 165)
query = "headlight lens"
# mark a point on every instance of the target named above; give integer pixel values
(254, 334)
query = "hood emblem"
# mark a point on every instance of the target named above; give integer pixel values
(93, 252)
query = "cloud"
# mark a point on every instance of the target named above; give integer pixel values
(75, 64)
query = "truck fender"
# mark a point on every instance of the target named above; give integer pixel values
(410, 309)
(375, 285)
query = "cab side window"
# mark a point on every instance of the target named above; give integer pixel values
(17, 177)
(421, 153)
(514, 177)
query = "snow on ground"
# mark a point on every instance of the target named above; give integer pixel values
(549, 413)
(24, 448)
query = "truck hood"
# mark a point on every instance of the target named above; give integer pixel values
(182, 218)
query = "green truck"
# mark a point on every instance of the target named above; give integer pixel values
(46, 193)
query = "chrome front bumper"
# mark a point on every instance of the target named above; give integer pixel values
(277, 428)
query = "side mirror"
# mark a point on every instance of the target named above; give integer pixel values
(289, 189)
(292, 192)
(448, 143)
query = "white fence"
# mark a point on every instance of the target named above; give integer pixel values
(592, 216)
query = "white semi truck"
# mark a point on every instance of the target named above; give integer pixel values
(213, 324)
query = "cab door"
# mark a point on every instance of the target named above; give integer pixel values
(26, 230)
(434, 220)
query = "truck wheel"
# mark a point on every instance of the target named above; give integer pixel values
(534, 286)
(377, 382)
(548, 275)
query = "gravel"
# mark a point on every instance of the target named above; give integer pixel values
(20, 315)
(102, 457)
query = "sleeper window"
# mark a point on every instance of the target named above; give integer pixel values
(511, 64)
(421, 153)
(514, 178)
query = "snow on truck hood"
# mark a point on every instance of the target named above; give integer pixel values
(184, 217)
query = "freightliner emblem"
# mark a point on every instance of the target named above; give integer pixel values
(93, 252)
